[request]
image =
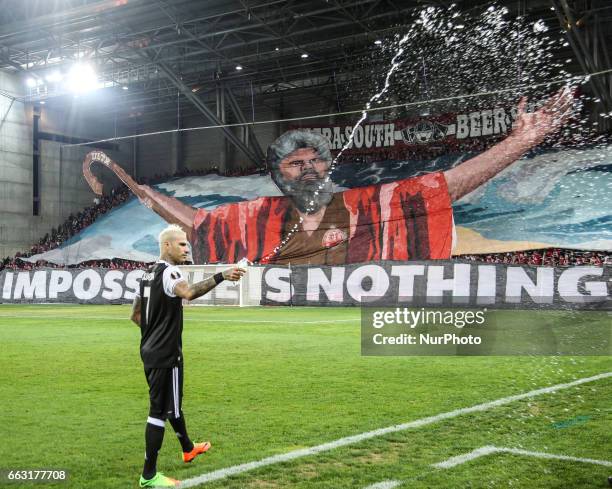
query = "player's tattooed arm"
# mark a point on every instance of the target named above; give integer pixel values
(135, 316)
(193, 291)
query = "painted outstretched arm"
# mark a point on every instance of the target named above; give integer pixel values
(170, 209)
(531, 129)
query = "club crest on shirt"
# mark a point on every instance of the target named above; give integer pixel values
(333, 237)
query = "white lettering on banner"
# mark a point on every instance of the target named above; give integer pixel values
(541, 292)
(499, 118)
(358, 138)
(60, 281)
(94, 283)
(101, 157)
(389, 135)
(278, 279)
(406, 274)
(475, 124)
(568, 284)
(443, 283)
(132, 282)
(327, 132)
(459, 283)
(463, 128)
(333, 288)
(347, 136)
(480, 123)
(337, 140)
(113, 289)
(487, 275)
(368, 136)
(487, 122)
(8, 285)
(377, 275)
(37, 287)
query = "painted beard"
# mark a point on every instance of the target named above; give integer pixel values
(308, 195)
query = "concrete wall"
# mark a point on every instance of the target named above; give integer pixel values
(16, 223)
(63, 190)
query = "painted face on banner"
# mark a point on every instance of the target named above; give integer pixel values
(301, 176)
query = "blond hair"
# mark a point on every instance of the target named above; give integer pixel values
(169, 234)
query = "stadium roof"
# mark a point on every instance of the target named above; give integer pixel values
(153, 50)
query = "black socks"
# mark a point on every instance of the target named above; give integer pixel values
(154, 436)
(181, 432)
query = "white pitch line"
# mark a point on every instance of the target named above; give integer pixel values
(206, 320)
(487, 450)
(466, 457)
(390, 484)
(349, 440)
(518, 451)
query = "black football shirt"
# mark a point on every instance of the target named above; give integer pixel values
(161, 317)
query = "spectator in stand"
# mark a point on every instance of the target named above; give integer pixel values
(551, 257)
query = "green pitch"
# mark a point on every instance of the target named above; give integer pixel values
(267, 381)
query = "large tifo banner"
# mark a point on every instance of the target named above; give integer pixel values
(432, 283)
(380, 209)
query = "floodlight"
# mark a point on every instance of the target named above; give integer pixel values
(82, 78)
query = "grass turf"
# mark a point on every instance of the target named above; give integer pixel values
(265, 381)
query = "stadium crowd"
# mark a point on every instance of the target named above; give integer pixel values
(77, 222)
(71, 226)
(551, 257)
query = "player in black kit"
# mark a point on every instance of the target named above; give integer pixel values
(158, 310)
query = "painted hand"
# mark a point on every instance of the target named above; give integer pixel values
(532, 128)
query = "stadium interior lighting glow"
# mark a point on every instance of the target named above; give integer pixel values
(378, 42)
(31, 82)
(42, 102)
(82, 78)
(54, 76)
(239, 67)
(304, 55)
(125, 87)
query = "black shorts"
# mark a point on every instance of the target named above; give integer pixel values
(165, 391)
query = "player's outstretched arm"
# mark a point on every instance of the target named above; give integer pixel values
(531, 129)
(190, 292)
(135, 316)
